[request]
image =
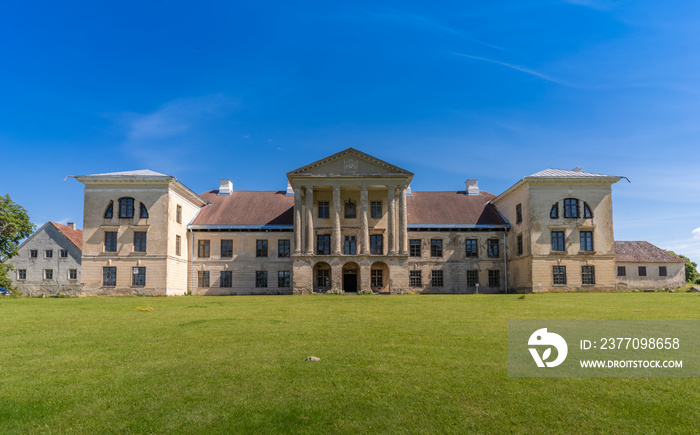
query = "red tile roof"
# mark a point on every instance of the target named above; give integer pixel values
(452, 208)
(276, 208)
(246, 208)
(75, 236)
(643, 252)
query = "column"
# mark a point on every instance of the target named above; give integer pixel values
(403, 222)
(392, 220)
(337, 242)
(364, 226)
(298, 229)
(309, 220)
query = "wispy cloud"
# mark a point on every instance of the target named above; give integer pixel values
(696, 233)
(163, 139)
(519, 68)
(600, 5)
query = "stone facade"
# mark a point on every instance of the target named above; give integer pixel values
(348, 222)
(49, 261)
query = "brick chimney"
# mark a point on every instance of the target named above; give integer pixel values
(71, 224)
(225, 187)
(471, 186)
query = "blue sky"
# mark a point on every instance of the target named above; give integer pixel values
(448, 90)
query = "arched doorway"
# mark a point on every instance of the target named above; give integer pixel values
(379, 278)
(322, 277)
(351, 277)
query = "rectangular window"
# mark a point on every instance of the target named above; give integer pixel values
(662, 271)
(126, 208)
(472, 278)
(109, 276)
(621, 271)
(203, 278)
(323, 244)
(414, 247)
(495, 278)
(558, 241)
(415, 279)
(350, 210)
(571, 208)
(518, 214)
(261, 248)
(178, 245)
(226, 279)
(283, 280)
(226, 248)
(138, 276)
(261, 279)
(33, 253)
(48, 273)
(559, 275)
(63, 253)
(178, 214)
(48, 253)
(323, 278)
(493, 250)
(642, 271)
(22, 274)
(436, 247)
(472, 248)
(436, 278)
(350, 245)
(72, 274)
(519, 242)
(323, 210)
(283, 248)
(376, 209)
(587, 240)
(377, 278)
(203, 249)
(140, 241)
(376, 244)
(111, 241)
(587, 275)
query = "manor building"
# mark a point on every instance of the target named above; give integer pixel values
(349, 221)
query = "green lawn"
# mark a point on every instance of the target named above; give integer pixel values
(389, 364)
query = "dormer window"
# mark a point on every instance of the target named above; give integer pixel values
(587, 213)
(110, 210)
(126, 208)
(143, 212)
(571, 208)
(554, 213)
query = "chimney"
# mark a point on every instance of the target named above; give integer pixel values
(578, 169)
(409, 192)
(290, 191)
(225, 187)
(471, 187)
(71, 224)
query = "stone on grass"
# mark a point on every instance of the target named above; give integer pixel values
(695, 288)
(313, 358)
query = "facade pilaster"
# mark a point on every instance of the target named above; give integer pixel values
(309, 220)
(337, 242)
(391, 232)
(364, 225)
(403, 222)
(298, 224)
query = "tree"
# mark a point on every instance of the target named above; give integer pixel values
(14, 226)
(691, 269)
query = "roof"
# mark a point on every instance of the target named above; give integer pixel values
(247, 208)
(353, 152)
(563, 173)
(452, 208)
(275, 208)
(75, 236)
(643, 252)
(136, 173)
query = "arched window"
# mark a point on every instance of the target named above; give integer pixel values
(126, 208)
(109, 212)
(571, 208)
(143, 212)
(587, 213)
(554, 213)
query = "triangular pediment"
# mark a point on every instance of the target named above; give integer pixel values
(350, 163)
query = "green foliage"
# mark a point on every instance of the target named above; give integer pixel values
(14, 226)
(691, 269)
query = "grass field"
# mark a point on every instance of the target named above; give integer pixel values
(389, 364)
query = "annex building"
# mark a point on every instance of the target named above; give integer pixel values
(349, 221)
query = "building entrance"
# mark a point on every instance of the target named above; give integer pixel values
(350, 274)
